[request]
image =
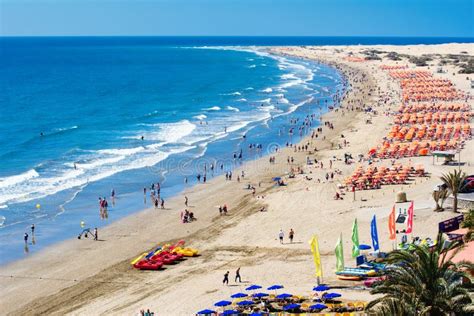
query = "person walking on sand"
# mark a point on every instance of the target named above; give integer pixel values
(162, 204)
(281, 235)
(291, 235)
(185, 201)
(96, 234)
(237, 276)
(226, 278)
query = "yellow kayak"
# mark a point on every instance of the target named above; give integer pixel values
(187, 252)
(138, 258)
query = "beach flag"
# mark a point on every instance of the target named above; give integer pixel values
(410, 218)
(339, 255)
(374, 234)
(391, 224)
(317, 257)
(355, 239)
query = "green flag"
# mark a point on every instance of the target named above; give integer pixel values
(355, 239)
(339, 255)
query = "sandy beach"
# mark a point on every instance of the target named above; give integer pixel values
(83, 277)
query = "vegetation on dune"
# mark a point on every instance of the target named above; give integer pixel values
(393, 56)
(420, 61)
(424, 281)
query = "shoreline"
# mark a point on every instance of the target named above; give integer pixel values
(105, 285)
(133, 219)
(83, 208)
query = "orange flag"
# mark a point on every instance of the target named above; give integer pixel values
(391, 224)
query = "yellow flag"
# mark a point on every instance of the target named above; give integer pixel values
(317, 258)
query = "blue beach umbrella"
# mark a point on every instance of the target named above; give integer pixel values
(364, 247)
(318, 306)
(321, 288)
(291, 306)
(258, 295)
(245, 303)
(332, 295)
(238, 295)
(230, 312)
(222, 303)
(284, 296)
(275, 287)
(253, 287)
(206, 312)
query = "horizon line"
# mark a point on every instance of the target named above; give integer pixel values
(248, 36)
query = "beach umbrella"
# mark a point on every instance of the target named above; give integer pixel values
(275, 287)
(239, 295)
(291, 306)
(230, 312)
(364, 247)
(253, 287)
(206, 312)
(321, 288)
(222, 303)
(245, 303)
(318, 306)
(332, 295)
(284, 296)
(258, 295)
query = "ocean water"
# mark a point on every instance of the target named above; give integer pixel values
(73, 112)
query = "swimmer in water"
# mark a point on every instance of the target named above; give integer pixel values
(143, 137)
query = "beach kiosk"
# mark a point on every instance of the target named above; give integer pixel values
(448, 156)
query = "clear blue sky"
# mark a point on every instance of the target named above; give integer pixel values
(452, 18)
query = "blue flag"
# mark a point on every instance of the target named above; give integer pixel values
(373, 233)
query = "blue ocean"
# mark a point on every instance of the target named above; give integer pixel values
(82, 116)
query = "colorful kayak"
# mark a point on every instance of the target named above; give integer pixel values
(148, 265)
(138, 258)
(349, 278)
(187, 252)
(357, 272)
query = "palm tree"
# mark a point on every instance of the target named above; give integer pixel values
(455, 182)
(468, 223)
(423, 281)
(439, 196)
